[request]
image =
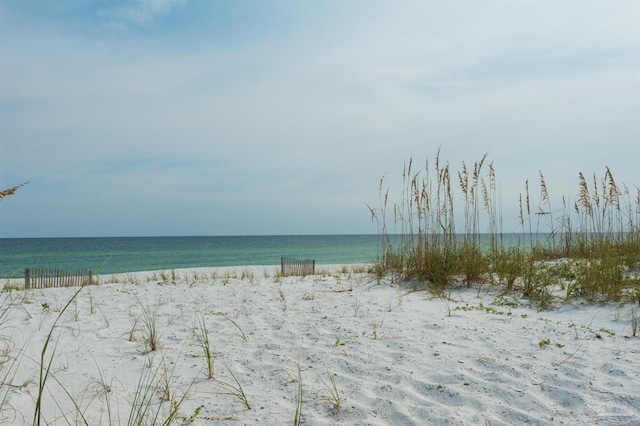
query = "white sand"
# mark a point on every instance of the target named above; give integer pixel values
(397, 357)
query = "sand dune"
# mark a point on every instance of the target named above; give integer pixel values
(397, 357)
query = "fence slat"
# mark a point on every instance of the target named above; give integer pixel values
(48, 277)
(291, 266)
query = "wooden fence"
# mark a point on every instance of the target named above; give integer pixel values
(290, 266)
(46, 277)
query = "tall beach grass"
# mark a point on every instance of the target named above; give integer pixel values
(446, 230)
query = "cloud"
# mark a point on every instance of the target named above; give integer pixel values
(249, 125)
(140, 12)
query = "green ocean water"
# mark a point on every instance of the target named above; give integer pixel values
(132, 254)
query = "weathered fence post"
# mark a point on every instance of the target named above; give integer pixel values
(27, 281)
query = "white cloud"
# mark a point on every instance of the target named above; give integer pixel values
(141, 12)
(307, 123)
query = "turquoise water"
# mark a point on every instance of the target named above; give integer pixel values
(131, 254)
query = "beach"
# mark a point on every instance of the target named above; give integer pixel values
(337, 347)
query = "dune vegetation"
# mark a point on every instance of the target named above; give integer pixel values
(589, 249)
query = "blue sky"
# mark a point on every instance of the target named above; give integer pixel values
(184, 117)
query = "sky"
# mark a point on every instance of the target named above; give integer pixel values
(279, 117)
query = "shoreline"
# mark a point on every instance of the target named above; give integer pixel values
(111, 255)
(212, 272)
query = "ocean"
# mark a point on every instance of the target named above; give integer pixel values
(132, 254)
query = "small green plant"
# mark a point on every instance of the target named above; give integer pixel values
(164, 390)
(247, 274)
(105, 318)
(376, 326)
(202, 336)
(133, 329)
(8, 363)
(297, 419)
(154, 381)
(150, 332)
(331, 388)
(192, 417)
(232, 386)
(132, 278)
(609, 332)
(99, 388)
(282, 297)
(356, 306)
(575, 330)
(76, 311)
(244, 336)
(228, 275)
(544, 342)
(92, 307)
(568, 358)
(141, 405)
